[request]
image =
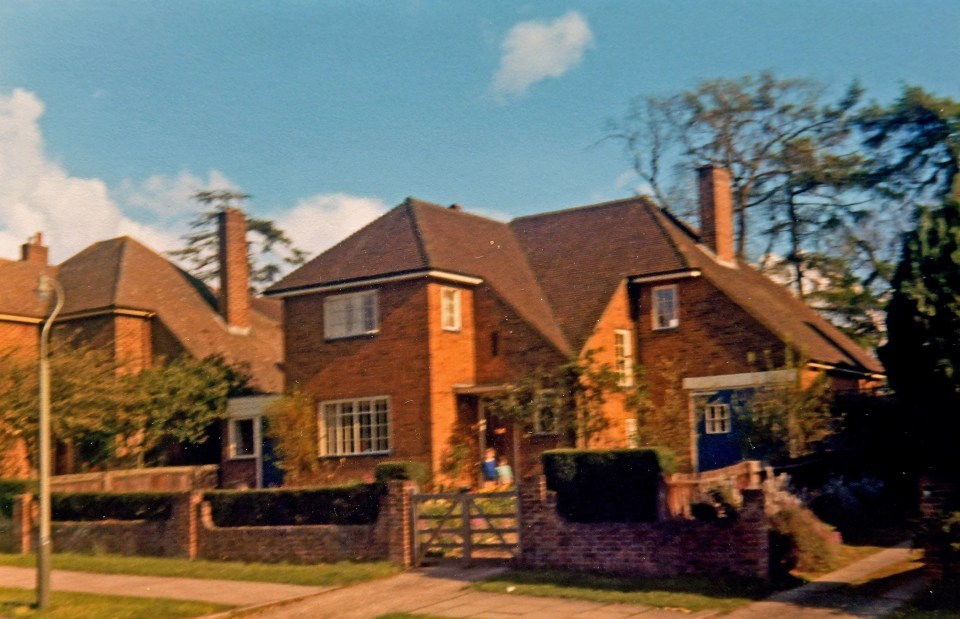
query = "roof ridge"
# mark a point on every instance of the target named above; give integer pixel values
(586, 207)
(120, 266)
(655, 213)
(417, 232)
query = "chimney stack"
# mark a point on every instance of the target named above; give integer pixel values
(34, 250)
(234, 270)
(716, 211)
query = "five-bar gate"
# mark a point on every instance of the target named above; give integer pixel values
(465, 526)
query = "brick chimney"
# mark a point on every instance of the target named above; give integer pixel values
(234, 270)
(716, 211)
(34, 250)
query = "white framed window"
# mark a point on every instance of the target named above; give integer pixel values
(666, 313)
(717, 418)
(623, 353)
(244, 437)
(348, 315)
(354, 427)
(450, 308)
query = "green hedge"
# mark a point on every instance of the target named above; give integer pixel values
(109, 506)
(403, 470)
(616, 485)
(354, 504)
(10, 488)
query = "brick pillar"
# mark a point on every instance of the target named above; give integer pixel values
(184, 524)
(399, 522)
(934, 498)
(34, 250)
(22, 524)
(755, 539)
(716, 211)
(234, 270)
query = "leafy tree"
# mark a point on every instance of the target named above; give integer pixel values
(292, 427)
(115, 417)
(782, 146)
(915, 145)
(567, 400)
(271, 251)
(922, 355)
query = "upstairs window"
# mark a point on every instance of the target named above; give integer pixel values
(717, 418)
(349, 315)
(545, 416)
(666, 313)
(623, 350)
(450, 309)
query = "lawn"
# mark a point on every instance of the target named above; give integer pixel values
(18, 603)
(322, 575)
(689, 593)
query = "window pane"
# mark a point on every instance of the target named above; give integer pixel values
(243, 437)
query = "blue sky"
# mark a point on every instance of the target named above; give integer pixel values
(328, 113)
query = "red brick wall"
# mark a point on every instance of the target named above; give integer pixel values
(617, 315)
(452, 361)
(394, 362)
(657, 549)
(21, 338)
(132, 343)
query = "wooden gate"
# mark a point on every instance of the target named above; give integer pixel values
(465, 526)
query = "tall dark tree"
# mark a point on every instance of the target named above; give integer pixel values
(271, 251)
(922, 355)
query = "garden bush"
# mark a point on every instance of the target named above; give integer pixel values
(92, 506)
(617, 485)
(352, 504)
(799, 540)
(406, 470)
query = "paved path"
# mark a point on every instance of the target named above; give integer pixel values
(232, 592)
(443, 591)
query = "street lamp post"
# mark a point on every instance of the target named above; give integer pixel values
(45, 288)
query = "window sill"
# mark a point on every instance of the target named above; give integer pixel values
(247, 457)
(365, 454)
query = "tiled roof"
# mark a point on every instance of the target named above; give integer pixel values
(123, 274)
(417, 236)
(560, 269)
(18, 281)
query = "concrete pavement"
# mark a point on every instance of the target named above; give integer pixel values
(444, 591)
(230, 592)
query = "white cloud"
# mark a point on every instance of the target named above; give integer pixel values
(321, 221)
(163, 197)
(38, 194)
(536, 50)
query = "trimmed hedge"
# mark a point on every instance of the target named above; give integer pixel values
(403, 471)
(92, 506)
(10, 488)
(616, 485)
(354, 504)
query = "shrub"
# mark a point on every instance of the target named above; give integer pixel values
(10, 488)
(403, 471)
(353, 504)
(617, 485)
(799, 540)
(87, 506)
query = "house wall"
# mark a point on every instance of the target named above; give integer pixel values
(132, 343)
(393, 362)
(452, 361)
(617, 315)
(22, 339)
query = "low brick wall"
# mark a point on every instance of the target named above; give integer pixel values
(190, 532)
(660, 549)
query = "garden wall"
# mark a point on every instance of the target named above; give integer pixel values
(660, 549)
(190, 532)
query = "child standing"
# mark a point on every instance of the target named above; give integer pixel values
(504, 473)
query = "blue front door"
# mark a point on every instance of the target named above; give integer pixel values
(719, 440)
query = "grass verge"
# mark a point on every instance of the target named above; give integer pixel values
(942, 602)
(19, 603)
(688, 593)
(322, 575)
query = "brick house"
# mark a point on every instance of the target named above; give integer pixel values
(401, 330)
(121, 295)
